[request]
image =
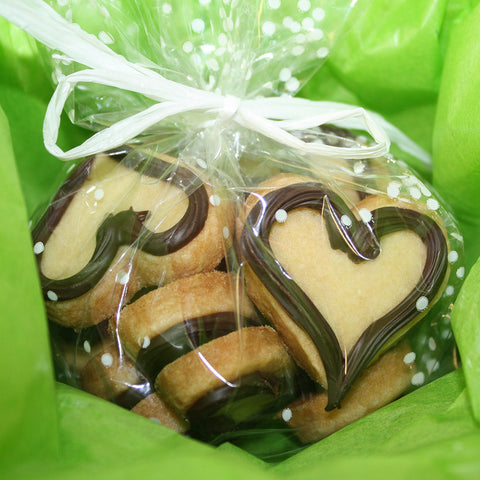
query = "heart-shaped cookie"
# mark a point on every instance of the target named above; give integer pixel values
(123, 221)
(341, 285)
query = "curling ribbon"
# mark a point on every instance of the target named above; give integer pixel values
(273, 117)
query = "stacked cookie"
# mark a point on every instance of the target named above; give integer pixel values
(138, 249)
(130, 255)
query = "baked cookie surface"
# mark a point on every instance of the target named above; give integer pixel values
(111, 375)
(381, 383)
(119, 224)
(200, 343)
(181, 303)
(340, 282)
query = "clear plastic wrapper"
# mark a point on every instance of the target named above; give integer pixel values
(225, 283)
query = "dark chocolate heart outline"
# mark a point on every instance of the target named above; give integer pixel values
(360, 245)
(123, 228)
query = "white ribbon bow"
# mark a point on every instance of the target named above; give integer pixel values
(273, 117)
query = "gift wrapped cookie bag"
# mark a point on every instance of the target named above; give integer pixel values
(223, 257)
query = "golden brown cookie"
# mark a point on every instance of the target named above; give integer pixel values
(339, 283)
(154, 408)
(381, 383)
(121, 222)
(222, 361)
(205, 301)
(230, 383)
(114, 377)
(199, 342)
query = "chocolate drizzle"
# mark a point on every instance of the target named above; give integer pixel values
(361, 242)
(125, 227)
(185, 337)
(240, 404)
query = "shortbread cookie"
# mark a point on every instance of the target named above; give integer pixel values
(186, 313)
(339, 283)
(122, 222)
(154, 408)
(225, 359)
(230, 382)
(199, 341)
(381, 383)
(114, 377)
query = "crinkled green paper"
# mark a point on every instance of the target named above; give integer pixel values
(403, 60)
(456, 140)
(466, 325)
(28, 426)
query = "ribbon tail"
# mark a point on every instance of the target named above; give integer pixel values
(404, 142)
(118, 134)
(296, 110)
(277, 130)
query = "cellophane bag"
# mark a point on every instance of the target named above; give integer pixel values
(226, 260)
